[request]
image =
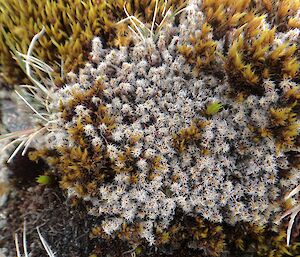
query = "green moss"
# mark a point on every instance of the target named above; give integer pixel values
(213, 108)
(44, 180)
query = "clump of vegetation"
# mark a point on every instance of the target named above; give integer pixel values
(252, 49)
(70, 27)
(190, 135)
(213, 108)
(186, 137)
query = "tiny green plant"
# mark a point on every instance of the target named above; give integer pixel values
(44, 180)
(213, 108)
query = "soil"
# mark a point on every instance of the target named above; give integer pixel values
(65, 228)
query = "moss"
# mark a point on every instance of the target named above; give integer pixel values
(248, 60)
(44, 180)
(249, 55)
(229, 14)
(201, 52)
(201, 237)
(187, 234)
(189, 135)
(70, 26)
(213, 108)
(252, 58)
(262, 241)
(283, 123)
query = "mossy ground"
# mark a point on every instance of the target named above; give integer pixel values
(70, 26)
(64, 222)
(69, 229)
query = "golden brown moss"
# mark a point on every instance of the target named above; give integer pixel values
(261, 241)
(70, 26)
(209, 239)
(225, 15)
(189, 135)
(283, 125)
(202, 49)
(83, 167)
(82, 170)
(247, 62)
(189, 233)
(252, 57)
(250, 53)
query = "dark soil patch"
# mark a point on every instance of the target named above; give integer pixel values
(65, 228)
